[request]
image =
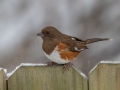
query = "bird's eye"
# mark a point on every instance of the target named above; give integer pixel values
(47, 32)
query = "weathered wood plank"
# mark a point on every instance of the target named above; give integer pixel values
(2, 80)
(46, 78)
(105, 76)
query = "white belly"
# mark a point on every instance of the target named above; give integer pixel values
(55, 57)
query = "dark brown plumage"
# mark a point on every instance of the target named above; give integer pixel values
(62, 48)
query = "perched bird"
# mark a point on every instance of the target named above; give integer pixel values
(61, 48)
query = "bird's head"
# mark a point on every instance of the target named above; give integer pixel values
(49, 32)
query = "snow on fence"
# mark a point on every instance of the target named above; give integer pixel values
(104, 76)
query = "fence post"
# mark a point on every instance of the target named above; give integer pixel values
(40, 77)
(105, 76)
(2, 79)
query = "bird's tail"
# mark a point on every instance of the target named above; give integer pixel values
(92, 40)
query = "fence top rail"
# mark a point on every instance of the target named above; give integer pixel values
(104, 62)
(41, 64)
(5, 70)
(25, 64)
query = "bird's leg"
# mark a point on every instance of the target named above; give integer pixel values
(51, 63)
(66, 66)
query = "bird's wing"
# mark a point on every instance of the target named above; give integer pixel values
(75, 38)
(74, 44)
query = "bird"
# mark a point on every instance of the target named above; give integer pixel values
(62, 49)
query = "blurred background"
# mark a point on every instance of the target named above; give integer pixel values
(21, 20)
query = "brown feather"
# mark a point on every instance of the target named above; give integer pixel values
(68, 46)
(65, 53)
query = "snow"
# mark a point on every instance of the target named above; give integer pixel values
(109, 62)
(80, 72)
(33, 64)
(5, 70)
(93, 68)
(9, 74)
(1, 69)
(24, 64)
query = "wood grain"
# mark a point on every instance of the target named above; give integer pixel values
(106, 76)
(46, 78)
(2, 80)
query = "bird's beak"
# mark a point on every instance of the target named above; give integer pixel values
(40, 34)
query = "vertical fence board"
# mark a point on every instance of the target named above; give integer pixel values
(46, 78)
(106, 76)
(2, 80)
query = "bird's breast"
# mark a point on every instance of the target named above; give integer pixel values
(61, 54)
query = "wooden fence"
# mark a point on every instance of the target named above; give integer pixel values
(104, 76)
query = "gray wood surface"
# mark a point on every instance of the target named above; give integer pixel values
(106, 76)
(2, 80)
(46, 78)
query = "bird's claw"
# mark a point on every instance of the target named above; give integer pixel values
(66, 66)
(51, 63)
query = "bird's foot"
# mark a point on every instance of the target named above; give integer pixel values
(51, 63)
(66, 66)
